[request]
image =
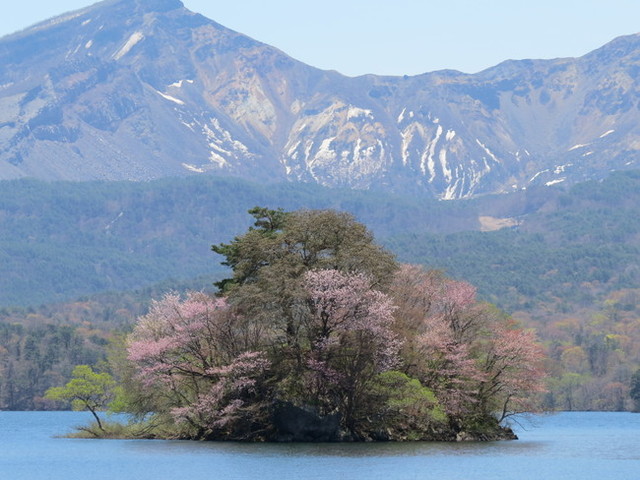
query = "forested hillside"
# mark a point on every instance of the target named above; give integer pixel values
(40, 346)
(567, 263)
(61, 240)
(574, 249)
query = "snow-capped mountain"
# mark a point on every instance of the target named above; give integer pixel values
(142, 89)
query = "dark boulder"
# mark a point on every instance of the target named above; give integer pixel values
(298, 424)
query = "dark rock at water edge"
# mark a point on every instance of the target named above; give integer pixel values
(296, 424)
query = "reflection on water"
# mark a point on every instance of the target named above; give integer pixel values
(564, 446)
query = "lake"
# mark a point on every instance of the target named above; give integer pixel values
(563, 446)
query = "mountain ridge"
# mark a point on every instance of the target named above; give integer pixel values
(133, 90)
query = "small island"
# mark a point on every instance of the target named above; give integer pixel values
(320, 335)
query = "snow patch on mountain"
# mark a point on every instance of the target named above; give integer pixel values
(579, 145)
(292, 151)
(487, 151)
(355, 112)
(561, 168)
(180, 83)
(325, 152)
(401, 116)
(429, 162)
(446, 170)
(538, 174)
(133, 40)
(554, 182)
(218, 159)
(222, 143)
(193, 168)
(170, 98)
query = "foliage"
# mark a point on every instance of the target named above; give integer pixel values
(34, 357)
(40, 346)
(593, 356)
(86, 390)
(196, 368)
(317, 316)
(410, 410)
(635, 390)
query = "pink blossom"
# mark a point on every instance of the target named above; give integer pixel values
(345, 304)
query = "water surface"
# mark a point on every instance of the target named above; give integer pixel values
(585, 446)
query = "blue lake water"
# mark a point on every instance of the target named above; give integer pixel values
(563, 446)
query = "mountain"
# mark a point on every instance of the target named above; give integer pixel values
(145, 89)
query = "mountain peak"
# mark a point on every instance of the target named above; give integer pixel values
(617, 48)
(142, 5)
(153, 5)
(134, 6)
(142, 89)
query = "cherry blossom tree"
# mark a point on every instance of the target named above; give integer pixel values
(350, 338)
(231, 403)
(420, 293)
(473, 357)
(188, 356)
(435, 315)
(513, 365)
(447, 366)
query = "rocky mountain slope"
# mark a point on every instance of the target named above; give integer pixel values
(143, 89)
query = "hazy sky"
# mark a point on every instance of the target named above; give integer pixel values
(399, 37)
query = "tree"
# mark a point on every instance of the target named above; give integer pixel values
(320, 324)
(283, 243)
(86, 390)
(447, 366)
(350, 342)
(472, 356)
(194, 365)
(635, 390)
(270, 260)
(437, 317)
(513, 366)
(239, 254)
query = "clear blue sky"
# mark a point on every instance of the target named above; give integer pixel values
(397, 37)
